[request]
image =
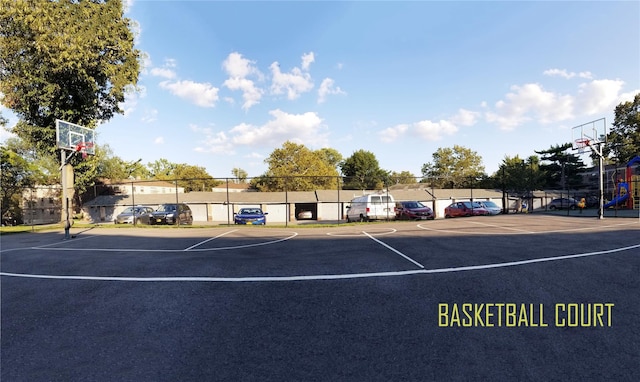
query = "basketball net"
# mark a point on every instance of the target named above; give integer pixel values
(82, 148)
(582, 144)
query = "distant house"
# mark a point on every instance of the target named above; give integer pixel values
(143, 187)
(42, 205)
(233, 187)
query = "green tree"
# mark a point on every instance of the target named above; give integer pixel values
(294, 167)
(362, 171)
(453, 167)
(161, 169)
(16, 174)
(194, 178)
(65, 59)
(403, 177)
(240, 174)
(519, 176)
(114, 168)
(624, 137)
(331, 156)
(561, 169)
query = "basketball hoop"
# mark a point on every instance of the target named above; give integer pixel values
(82, 148)
(581, 144)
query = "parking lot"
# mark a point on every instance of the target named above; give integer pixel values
(350, 302)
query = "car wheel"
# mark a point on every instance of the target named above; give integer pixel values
(573, 207)
(552, 207)
(348, 220)
(361, 219)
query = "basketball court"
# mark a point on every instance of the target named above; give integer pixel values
(352, 302)
(233, 253)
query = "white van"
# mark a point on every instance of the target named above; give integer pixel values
(372, 207)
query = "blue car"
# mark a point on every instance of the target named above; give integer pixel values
(250, 216)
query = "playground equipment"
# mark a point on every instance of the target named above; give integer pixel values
(627, 191)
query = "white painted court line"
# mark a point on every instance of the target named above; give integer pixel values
(325, 277)
(498, 226)
(393, 249)
(143, 250)
(209, 239)
(464, 232)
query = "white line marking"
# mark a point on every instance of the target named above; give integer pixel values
(347, 234)
(68, 241)
(294, 234)
(463, 232)
(393, 249)
(209, 239)
(497, 226)
(322, 277)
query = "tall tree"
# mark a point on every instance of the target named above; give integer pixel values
(362, 171)
(240, 174)
(562, 169)
(65, 59)
(520, 176)
(624, 137)
(453, 167)
(194, 178)
(403, 177)
(16, 174)
(294, 167)
(161, 169)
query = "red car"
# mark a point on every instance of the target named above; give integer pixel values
(465, 209)
(413, 211)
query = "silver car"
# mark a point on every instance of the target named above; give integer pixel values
(490, 206)
(133, 215)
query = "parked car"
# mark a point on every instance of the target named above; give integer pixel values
(464, 209)
(305, 215)
(250, 216)
(371, 207)
(490, 206)
(172, 213)
(413, 210)
(133, 215)
(561, 203)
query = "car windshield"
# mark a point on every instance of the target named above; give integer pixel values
(490, 204)
(167, 208)
(472, 205)
(250, 211)
(413, 205)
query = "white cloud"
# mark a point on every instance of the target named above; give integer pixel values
(326, 88)
(307, 60)
(163, 72)
(598, 96)
(131, 98)
(434, 131)
(250, 93)
(166, 70)
(159, 141)
(238, 69)
(390, 134)
(201, 94)
(527, 102)
(294, 83)
(465, 118)
(237, 66)
(215, 142)
(150, 116)
(565, 74)
(304, 128)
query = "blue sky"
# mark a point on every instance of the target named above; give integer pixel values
(226, 82)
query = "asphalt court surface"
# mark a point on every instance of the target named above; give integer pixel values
(355, 302)
(295, 253)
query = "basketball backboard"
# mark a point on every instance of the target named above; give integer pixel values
(589, 134)
(70, 136)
